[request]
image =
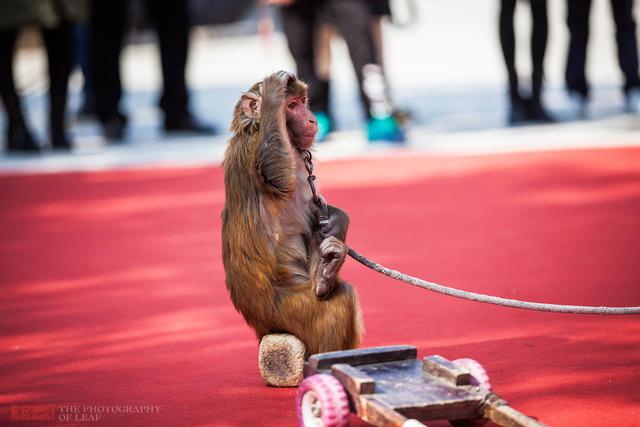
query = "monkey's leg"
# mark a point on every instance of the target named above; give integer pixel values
(333, 323)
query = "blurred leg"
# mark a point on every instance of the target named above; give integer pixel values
(376, 31)
(323, 35)
(538, 48)
(299, 22)
(81, 49)
(7, 84)
(627, 44)
(107, 26)
(578, 23)
(508, 44)
(172, 23)
(18, 137)
(59, 44)
(538, 45)
(353, 20)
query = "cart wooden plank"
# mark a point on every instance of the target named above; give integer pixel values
(442, 368)
(403, 386)
(388, 385)
(380, 414)
(363, 356)
(353, 379)
(499, 411)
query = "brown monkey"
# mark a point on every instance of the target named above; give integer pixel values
(281, 266)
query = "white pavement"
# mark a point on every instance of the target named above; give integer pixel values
(446, 67)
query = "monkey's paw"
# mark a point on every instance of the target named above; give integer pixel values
(332, 249)
(332, 255)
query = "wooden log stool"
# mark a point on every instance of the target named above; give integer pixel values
(281, 360)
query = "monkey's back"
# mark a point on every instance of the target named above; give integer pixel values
(265, 240)
(248, 255)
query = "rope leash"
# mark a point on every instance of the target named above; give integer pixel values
(457, 293)
(490, 299)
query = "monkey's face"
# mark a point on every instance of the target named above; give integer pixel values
(301, 123)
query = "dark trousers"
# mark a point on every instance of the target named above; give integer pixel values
(107, 28)
(352, 18)
(539, 33)
(578, 22)
(59, 47)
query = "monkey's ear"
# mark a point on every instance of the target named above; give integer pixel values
(251, 105)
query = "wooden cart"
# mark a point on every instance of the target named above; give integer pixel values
(388, 386)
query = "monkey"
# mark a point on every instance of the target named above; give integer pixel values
(281, 265)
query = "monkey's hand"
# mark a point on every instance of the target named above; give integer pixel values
(331, 220)
(284, 76)
(332, 255)
(274, 87)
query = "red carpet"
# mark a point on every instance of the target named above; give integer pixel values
(113, 294)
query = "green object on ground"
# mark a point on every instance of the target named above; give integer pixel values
(384, 129)
(324, 125)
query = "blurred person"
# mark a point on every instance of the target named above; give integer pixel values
(81, 41)
(524, 108)
(352, 18)
(54, 18)
(578, 22)
(380, 9)
(107, 29)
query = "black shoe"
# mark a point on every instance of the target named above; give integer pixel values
(187, 124)
(519, 112)
(537, 112)
(59, 141)
(114, 128)
(21, 141)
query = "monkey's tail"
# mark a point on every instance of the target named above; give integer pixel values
(490, 299)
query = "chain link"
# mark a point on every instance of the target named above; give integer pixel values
(308, 164)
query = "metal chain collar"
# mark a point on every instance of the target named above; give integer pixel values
(308, 164)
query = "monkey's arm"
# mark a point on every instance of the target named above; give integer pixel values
(331, 236)
(336, 224)
(275, 162)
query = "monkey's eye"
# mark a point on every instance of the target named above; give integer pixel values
(291, 105)
(304, 100)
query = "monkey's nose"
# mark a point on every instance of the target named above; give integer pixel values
(314, 121)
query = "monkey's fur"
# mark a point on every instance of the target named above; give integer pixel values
(281, 266)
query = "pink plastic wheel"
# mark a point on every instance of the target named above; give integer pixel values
(322, 402)
(479, 376)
